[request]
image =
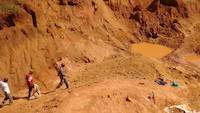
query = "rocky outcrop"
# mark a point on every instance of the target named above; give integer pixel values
(32, 14)
(153, 19)
(69, 2)
(7, 21)
(179, 5)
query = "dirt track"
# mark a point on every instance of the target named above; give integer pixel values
(109, 96)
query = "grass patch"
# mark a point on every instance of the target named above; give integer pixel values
(9, 8)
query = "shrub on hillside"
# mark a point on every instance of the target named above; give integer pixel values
(9, 8)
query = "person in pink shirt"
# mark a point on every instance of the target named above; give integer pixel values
(30, 83)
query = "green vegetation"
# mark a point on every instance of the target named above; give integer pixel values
(9, 8)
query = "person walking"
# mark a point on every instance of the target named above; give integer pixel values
(62, 75)
(6, 90)
(57, 65)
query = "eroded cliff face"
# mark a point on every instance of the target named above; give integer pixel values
(42, 31)
(155, 19)
(34, 33)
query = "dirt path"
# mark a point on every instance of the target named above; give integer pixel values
(109, 96)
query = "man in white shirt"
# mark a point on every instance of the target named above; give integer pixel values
(5, 88)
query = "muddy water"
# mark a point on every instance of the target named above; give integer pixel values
(192, 58)
(150, 50)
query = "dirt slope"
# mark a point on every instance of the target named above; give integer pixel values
(33, 33)
(94, 37)
(102, 87)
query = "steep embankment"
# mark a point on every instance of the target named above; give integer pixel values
(86, 32)
(45, 30)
